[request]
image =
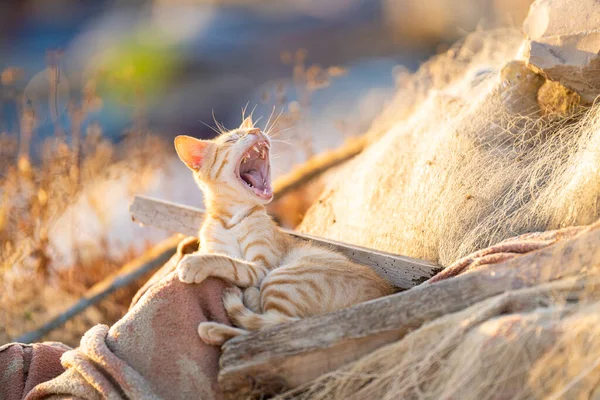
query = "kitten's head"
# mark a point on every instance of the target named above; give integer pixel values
(235, 164)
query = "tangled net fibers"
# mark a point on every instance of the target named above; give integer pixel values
(466, 156)
(475, 149)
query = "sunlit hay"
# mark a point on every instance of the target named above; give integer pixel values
(474, 163)
(535, 343)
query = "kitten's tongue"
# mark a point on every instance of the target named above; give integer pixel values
(255, 178)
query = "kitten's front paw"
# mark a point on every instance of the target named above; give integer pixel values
(191, 270)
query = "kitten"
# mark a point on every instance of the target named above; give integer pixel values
(285, 279)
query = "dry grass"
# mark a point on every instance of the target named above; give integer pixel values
(35, 287)
(34, 194)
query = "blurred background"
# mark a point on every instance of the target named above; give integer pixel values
(92, 93)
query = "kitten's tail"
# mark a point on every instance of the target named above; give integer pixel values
(247, 319)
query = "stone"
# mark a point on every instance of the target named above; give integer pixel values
(555, 99)
(563, 42)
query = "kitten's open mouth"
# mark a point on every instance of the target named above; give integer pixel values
(254, 170)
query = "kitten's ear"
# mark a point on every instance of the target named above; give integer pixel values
(247, 124)
(191, 150)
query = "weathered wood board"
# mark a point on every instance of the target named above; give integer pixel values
(404, 272)
(289, 355)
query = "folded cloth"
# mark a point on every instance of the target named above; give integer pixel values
(154, 351)
(508, 249)
(22, 366)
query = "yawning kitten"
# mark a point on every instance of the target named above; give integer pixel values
(284, 278)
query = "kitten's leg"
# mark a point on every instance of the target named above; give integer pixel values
(242, 316)
(195, 268)
(252, 299)
(216, 334)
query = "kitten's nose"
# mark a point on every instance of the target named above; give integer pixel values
(254, 131)
(258, 133)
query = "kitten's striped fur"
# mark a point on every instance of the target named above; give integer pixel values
(284, 279)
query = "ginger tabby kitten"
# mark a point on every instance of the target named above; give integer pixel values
(285, 279)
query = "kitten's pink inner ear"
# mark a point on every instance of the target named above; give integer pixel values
(190, 150)
(247, 124)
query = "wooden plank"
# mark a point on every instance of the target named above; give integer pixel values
(290, 355)
(172, 217)
(404, 272)
(149, 261)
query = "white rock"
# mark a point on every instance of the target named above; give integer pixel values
(563, 43)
